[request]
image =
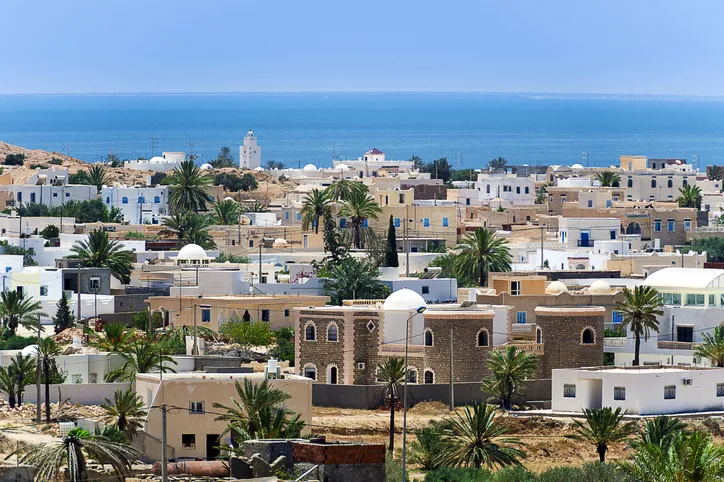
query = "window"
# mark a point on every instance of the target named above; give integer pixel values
(517, 189)
(188, 440)
(527, 190)
(429, 377)
(687, 224)
(720, 389)
(411, 375)
(94, 284)
(141, 200)
(521, 317)
(670, 183)
(196, 407)
(343, 223)
(588, 337)
(616, 316)
(613, 234)
(332, 333)
(67, 194)
(563, 198)
(310, 372)
(619, 393)
(286, 313)
(310, 333)
(20, 290)
(124, 200)
(426, 222)
(590, 203)
(444, 222)
(515, 287)
(205, 315)
(672, 299)
(43, 290)
(365, 223)
(670, 225)
(397, 222)
(467, 201)
(32, 197)
(712, 300)
(108, 199)
(487, 189)
(693, 299)
(286, 216)
(157, 200)
(657, 225)
(653, 183)
(569, 390)
(251, 243)
(684, 182)
(483, 338)
(299, 216)
(425, 290)
(402, 198)
(669, 392)
(685, 334)
(265, 315)
(428, 338)
(630, 182)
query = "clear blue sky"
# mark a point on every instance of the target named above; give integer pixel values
(566, 46)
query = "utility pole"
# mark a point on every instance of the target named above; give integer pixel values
(541, 248)
(452, 373)
(261, 242)
(37, 380)
(195, 350)
(78, 278)
(164, 435)
(407, 241)
(150, 319)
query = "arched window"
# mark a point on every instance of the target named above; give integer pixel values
(246, 316)
(332, 333)
(412, 375)
(108, 200)
(588, 337)
(483, 338)
(141, 200)
(157, 199)
(670, 183)
(310, 332)
(684, 183)
(630, 182)
(539, 335)
(487, 188)
(429, 377)
(428, 338)
(124, 200)
(332, 375)
(653, 183)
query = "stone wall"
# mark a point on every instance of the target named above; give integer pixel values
(320, 352)
(368, 329)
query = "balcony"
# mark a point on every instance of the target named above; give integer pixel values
(526, 346)
(615, 342)
(677, 345)
(585, 243)
(395, 349)
(522, 328)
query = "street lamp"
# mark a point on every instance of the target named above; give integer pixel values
(419, 310)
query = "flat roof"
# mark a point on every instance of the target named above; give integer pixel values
(642, 370)
(208, 376)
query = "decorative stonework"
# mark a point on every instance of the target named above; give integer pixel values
(594, 335)
(477, 338)
(570, 310)
(460, 315)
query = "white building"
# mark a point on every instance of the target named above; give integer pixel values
(639, 390)
(584, 232)
(250, 152)
(504, 190)
(373, 164)
(49, 187)
(167, 161)
(139, 204)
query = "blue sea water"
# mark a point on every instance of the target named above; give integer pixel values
(468, 129)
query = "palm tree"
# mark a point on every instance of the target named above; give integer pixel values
(359, 207)
(353, 279)
(714, 173)
(101, 252)
(227, 212)
(115, 338)
(188, 188)
(342, 189)
(476, 438)
(426, 450)
(141, 356)
(73, 452)
(498, 163)
(608, 178)
(24, 369)
(98, 176)
(199, 236)
(639, 308)
(19, 310)
(687, 458)
(509, 368)
(316, 204)
(391, 373)
(541, 195)
(48, 349)
(660, 431)
(712, 347)
(602, 427)
(256, 413)
(9, 385)
(125, 412)
(486, 253)
(690, 197)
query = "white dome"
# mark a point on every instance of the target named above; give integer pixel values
(404, 300)
(342, 167)
(206, 166)
(228, 198)
(309, 168)
(556, 287)
(258, 168)
(599, 287)
(157, 159)
(280, 242)
(192, 251)
(576, 166)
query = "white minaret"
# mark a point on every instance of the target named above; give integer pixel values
(250, 152)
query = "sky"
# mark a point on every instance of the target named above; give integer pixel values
(659, 47)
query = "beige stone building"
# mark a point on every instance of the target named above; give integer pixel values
(192, 430)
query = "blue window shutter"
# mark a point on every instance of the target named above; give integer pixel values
(365, 223)
(397, 222)
(444, 222)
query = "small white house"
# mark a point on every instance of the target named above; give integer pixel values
(139, 205)
(167, 161)
(645, 390)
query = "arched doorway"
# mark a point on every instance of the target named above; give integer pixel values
(332, 375)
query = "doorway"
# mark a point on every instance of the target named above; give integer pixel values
(212, 446)
(332, 375)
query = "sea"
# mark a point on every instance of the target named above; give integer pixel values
(300, 128)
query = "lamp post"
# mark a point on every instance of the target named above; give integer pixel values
(419, 310)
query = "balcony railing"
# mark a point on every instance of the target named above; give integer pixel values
(677, 345)
(400, 348)
(615, 342)
(522, 328)
(585, 243)
(526, 346)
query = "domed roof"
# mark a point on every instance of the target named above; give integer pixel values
(342, 167)
(280, 242)
(258, 168)
(229, 198)
(599, 287)
(556, 287)
(192, 251)
(309, 168)
(576, 166)
(404, 300)
(206, 166)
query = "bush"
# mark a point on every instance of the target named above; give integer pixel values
(591, 472)
(393, 470)
(56, 161)
(38, 166)
(617, 332)
(140, 320)
(248, 182)
(16, 342)
(51, 231)
(231, 258)
(113, 434)
(15, 159)
(459, 474)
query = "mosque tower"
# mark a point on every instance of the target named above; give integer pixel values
(250, 152)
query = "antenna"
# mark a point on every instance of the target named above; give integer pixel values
(191, 149)
(586, 158)
(695, 161)
(154, 145)
(335, 154)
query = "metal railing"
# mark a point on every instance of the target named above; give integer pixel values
(585, 243)
(677, 345)
(526, 346)
(522, 327)
(615, 342)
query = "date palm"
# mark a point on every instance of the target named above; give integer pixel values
(714, 173)
(9, 385)
(608, 178)
(115, 338)
(101, 252)
(316, 205)
(125, 412)
(48, 349)
(141, 356)
(712, 347)
(354, 279)
(477, 437)
(188, 187)
(227, 212)
(359, 207)
(342, 189)
(19, 310)
(602, 427)
(660, 431)
(73, 452)
(485, 254)
(24, 369)
(391, 373)
(689, 197)
(639, 308)
(97, 175)
(509, 369)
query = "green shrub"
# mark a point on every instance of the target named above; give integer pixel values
(591, 472)
(393, 470)
(55, 161)
(113, 434)
(17, 342)
(15, 159)
(460, 474)
(79, 432)
(617, 332)
(425, 451)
